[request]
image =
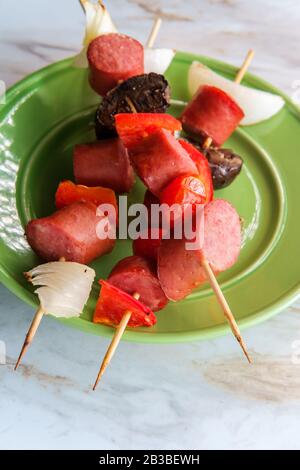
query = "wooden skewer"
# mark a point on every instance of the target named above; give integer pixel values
(130, 104)
(207, 143)
(240, 75)
(226, 309)
(150, 42)
(209, 272)
(32, 330)
(213, 281)
(154, 32)
(238, 78)
(115, 342)
(126, 317)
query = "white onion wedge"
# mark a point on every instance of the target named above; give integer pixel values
(64, 287)
(157, 60)
(98, 21)
(257, 105)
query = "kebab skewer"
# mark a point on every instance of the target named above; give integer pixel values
(70, 231)
(206, 265)
(131, 274)
(150, 93)
(56, 281)
(172, 163)
(68, 193)
(209, 273)
(154, 31)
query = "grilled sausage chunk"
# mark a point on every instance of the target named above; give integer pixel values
(113, 57)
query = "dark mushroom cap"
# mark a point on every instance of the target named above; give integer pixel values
(148, 93)
(225, 165)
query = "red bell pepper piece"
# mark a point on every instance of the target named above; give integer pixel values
(184, 190)
(69, 192)
(114, 302)
(133, 127)
(203, 167)
(148, 247)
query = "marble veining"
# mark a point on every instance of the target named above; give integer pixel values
(198, 395)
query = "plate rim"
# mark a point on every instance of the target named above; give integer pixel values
(130, 335)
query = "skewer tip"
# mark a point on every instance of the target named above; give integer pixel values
(154, 32)
(23, 350)
(245, 351)
(101, 372)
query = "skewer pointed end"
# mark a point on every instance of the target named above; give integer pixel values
(101, 372)
(95, 386)
(30, 334)
(23, 350)
(245, 351)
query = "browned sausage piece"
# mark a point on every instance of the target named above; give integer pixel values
(136, 274)
(103, 163)
(180, 270)
(70, 233)
(211, 113)
(159, 159)
(112, 58)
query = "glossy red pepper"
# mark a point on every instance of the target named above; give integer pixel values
(184, 190)
(114, 302)
(202, 166)
(69, 192)
(133, 127)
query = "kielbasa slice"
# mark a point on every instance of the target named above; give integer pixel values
(70, 233)
(159, 158)
(137, 274)
(180, 270)
(211, 113)
(112, 58)
(103, 163)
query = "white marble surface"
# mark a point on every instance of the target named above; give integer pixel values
(198, 395)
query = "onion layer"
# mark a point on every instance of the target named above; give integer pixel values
(157, 60)
(257, 105)
(64, 287)
(98, 21)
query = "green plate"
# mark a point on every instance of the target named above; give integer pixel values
(52, 109)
